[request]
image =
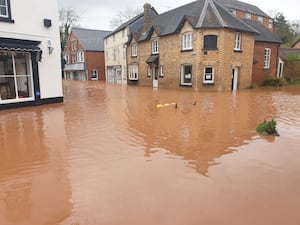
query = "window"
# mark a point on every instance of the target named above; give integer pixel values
(80, 56)
(248, 16)
(187, 41)
(232, 11)
(134, 50)
(133, 72)
(155, 47)
(73, 44)
(67, 59)
(237, 41)
(208, 77)
(210, 42)
(94, 74)
(5, 14)
(270, 23)
(267, 58)
(186, 75)
(149, 71)
(260, 19)
(16, 78)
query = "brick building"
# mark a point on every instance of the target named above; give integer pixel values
(206, 44)
(84, 55)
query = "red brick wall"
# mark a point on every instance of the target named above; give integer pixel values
(95, 60)
(259, 74)
(297, 45)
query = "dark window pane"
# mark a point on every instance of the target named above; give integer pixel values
(210, 42)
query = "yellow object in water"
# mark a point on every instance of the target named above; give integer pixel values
(164, 105)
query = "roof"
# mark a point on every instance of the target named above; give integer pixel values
(298, 40)
(91, 40)
(134, 23)
(285, 52)
(200, 14)
(242, 6)
(264, 35)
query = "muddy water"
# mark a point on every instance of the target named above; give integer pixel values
(117, 155)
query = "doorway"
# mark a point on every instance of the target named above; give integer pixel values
(155, 76)
(234, 81)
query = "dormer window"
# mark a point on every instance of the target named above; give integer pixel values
(248, 16)
(270, 23)
(155, 46)
(232, 11)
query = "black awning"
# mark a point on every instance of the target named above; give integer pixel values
(21, 48)
(8, 44)
(152, 59)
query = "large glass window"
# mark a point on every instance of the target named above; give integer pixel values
(186, 75)
(15, 76)
(210, 42)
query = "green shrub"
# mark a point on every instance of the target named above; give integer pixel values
(267, 127)
(274, 81)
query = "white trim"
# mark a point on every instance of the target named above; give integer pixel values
(133, 72)
(267, 58)
(134, 50)
(94, 72)
(155, 46)
(208, 78)
(237, 41)
(188, 76)
(5, 6)
(187, 41)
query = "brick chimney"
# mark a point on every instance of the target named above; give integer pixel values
(147, 18)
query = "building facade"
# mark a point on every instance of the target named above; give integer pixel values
(115, 45)
(84, 55)
(30, 65)
(208, 50)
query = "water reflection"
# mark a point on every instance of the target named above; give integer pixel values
(33, 179)
(109, 155)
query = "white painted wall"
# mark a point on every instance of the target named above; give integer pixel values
(117, 43)
(28, 16)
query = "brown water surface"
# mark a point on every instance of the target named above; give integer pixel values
(113, 155)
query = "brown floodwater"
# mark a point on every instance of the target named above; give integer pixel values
(117, 155)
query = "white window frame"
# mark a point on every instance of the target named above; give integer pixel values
(5, 6)
(94, 74)
(161, 70)
(260, 19)
(238, 41)
(80, 56)
(182, 75)
(187, 41)
(155, 46)
(270, 23)
(134, 50)
(16, 76)
(248, 16)
(267, 58)
(149, 71)
(207, 75)
(133, 73)
(67, 59)
(232, 11)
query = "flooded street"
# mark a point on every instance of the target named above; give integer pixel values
(113, 155)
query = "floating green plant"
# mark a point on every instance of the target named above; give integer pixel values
(267, 128)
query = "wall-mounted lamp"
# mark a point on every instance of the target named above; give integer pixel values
(50, 47)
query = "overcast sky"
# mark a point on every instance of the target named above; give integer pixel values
(97, 14)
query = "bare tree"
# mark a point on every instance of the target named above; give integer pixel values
(124, 16)
(67, 19)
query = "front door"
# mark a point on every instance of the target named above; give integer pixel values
(235, 76)
(155, 76)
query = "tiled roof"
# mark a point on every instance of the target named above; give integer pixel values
(264, 35)
(284, 52)
(242, 6)
(92, 40)
(207, 13)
